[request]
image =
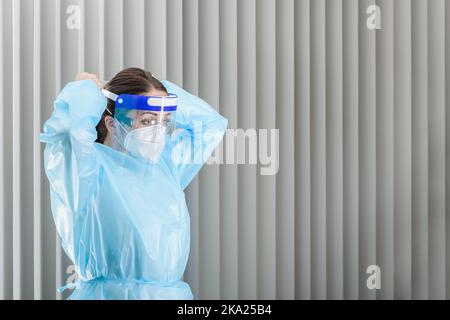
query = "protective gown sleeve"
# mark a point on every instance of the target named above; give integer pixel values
(70, 159)
(202, 129)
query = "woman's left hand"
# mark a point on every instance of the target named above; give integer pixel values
(89, 76)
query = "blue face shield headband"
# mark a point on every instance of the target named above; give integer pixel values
(137, 110)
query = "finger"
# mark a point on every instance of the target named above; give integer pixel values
(82, 76)
(95, 78)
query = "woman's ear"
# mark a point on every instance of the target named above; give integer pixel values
(109, 122)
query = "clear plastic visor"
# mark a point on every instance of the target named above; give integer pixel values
(137, 111)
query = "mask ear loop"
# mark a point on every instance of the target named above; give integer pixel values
(112, 115)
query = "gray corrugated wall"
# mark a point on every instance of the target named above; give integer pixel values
(364, 139)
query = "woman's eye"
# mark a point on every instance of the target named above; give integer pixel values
(148, 122)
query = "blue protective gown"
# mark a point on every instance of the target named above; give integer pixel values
(122, 221)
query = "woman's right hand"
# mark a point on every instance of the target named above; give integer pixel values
(89, 76)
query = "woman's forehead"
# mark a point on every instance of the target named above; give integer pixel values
(155, 93)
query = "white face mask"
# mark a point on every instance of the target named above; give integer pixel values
(147, 143)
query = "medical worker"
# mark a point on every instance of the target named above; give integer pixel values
(118, 158)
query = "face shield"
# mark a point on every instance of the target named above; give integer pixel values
(141, 123)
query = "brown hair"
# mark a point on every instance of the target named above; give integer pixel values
(130, 81)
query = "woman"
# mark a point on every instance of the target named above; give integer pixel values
(117, 168)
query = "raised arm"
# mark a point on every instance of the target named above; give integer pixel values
(69, 159)
(202, 129)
